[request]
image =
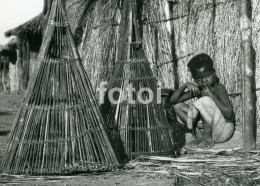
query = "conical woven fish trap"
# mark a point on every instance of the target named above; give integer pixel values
(137, 121)
(58, 128)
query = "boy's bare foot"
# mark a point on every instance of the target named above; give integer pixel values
(206, 144)
(195, 142)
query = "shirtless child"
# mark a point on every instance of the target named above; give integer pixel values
(212, 107)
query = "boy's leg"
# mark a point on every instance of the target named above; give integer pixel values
(181, 110)
(223, 132)
(216, 130)
(199, 133)
(206, 139)
(187, 113)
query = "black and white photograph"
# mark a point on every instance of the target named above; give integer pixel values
(130, 92)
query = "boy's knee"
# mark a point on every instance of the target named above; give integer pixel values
(206, 98)
(178, 107)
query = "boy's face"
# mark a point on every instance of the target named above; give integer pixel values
(204, 77)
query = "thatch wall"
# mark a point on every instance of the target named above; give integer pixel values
(4, 73)
(99, 40)
(195, 26)
(157, 40)
(33, 61)
(227, 50)
(199, 26)
(213, 29)
(8, 70)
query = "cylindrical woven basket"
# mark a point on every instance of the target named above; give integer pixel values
(136, 128)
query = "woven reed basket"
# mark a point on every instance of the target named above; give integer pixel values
(136, 128)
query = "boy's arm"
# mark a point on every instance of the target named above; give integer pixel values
(222, 101)
(180, 96)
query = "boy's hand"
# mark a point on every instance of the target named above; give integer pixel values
(193, 89)
(206, 91)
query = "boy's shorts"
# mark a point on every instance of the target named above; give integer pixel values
(222, 131)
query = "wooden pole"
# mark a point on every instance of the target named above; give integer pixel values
(248, 98)
(26, 63)
(3, 74)
(20, 68)
(174, 57)
(46, 13)
(156, 67)
(125, 32)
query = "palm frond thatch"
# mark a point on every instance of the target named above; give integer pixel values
(28, 29)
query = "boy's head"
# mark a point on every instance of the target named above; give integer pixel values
(202, 70)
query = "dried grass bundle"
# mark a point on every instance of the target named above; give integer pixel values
(227, 51)
(76, 10)
(99, 40)
(58, 128)
(213, 29)
(214, 167)
(200, 26)
(157, 40)
(193, 34)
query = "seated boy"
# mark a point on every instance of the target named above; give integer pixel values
(212, 107)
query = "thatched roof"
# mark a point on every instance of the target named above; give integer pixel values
(29, 28)
(3, 51)
(32, 30)
(13, 43)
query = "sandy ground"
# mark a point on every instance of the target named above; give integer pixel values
(128, 176)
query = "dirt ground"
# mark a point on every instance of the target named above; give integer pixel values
(132, 174)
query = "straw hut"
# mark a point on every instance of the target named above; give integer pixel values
(4, 62)
(14, 66)
(8, 66)
(173, 32)
(27, 48)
